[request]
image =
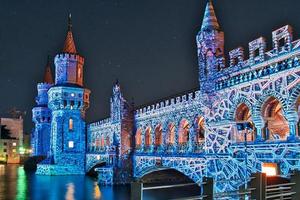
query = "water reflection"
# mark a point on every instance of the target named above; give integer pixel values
(70, 191)
(17, 184)
(21, 184)
(97, 192)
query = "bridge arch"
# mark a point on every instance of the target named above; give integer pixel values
(184, 172)
(272, 110)
(91, 171)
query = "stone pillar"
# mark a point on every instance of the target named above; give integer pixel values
(258, 125)
(165, 129)
(136, 191)
(142, 140)
(292, 118)
(176, 138)
(191, 139)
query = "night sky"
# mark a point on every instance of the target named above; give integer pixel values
(149, 45)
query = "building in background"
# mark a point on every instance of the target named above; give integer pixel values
(11, 139)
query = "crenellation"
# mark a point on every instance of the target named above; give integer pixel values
(284, 34)
(236, 57)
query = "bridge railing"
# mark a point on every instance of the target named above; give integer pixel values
(138, 188)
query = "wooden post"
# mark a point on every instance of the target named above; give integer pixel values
(208, 188)
(296, 188)
(259, 182)
(136, 191)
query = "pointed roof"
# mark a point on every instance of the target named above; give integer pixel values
(69, 46)
(48, 74)
(210, 20)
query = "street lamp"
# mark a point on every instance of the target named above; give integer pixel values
(246, 128)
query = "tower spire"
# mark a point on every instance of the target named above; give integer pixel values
(48, 75)
(69, 46)
(210, 20)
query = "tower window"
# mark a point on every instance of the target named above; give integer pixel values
(72, 104)
(71, 144)
(79, 72)
(71, 125)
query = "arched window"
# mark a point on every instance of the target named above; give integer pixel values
(148, 140)
(171, 133)
(102, 141)
(98, 142)
(183, 136)
(200, 131)
(138, 138)
(276, 126)
(158, 135)
(244, 124)
(71, 124)
(107, 141)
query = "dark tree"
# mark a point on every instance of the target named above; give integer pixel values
(5, 133)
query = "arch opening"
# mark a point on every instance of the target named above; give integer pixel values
(245, 130)
(199, 137)
(138, 139)
(275, 124)
(183, 135)
(91, 172)
(170, 137)
(148, 140)
(169, 176)
(158, 137)
(200, 131)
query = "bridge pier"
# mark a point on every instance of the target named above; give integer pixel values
(105, 175)
(136, 190)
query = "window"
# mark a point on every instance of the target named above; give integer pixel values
(70, 124)
(71, 144)
(4, 143)
(72, 104)
(14, 144)
(14, 150)
(4, 150)
(79, 72)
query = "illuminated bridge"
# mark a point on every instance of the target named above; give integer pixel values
(243, 119)
(243, 114)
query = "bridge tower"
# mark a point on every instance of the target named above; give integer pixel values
(68, 100)
(41, 116)
(210, 45)
(122, 121)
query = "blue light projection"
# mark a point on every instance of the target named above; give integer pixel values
(243, 116)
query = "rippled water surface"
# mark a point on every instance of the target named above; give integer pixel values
(15, 183)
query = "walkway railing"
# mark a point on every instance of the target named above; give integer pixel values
(137, 189)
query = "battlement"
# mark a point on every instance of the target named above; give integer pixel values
(188, 97)
(260, 61)
(70, 56)
(41, 86)
(100, 123)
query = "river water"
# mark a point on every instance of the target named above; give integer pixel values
(15, 183)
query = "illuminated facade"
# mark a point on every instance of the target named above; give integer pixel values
(245, 114)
